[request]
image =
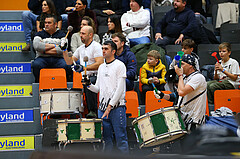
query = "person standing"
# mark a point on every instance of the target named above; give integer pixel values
(93, 51)
(110, 84)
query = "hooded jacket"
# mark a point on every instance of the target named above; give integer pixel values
(130, 61)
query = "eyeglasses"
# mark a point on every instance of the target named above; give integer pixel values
(79, 4)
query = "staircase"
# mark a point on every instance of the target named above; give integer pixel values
(20, 125)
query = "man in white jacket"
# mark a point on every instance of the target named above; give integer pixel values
(136, 23)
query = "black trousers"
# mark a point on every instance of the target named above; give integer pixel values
(91, 97)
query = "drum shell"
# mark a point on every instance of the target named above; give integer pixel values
(159, 126)
(81, 130)
(61, 101)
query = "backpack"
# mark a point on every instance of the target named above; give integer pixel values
(208, 72)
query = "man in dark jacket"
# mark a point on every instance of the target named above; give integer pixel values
(179, 23)
(127, 57)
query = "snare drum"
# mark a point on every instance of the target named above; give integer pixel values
(61, 101)
(81, 130)
(159, 126)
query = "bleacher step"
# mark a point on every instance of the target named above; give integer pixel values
(23, 153)
(10, 15)
(15, 67)
(11, 26)
(28, 121)
(17, 56)
(16, 79)
(12, 36)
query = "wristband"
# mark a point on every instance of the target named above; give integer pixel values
(73, 9)
(223, 70)
(161, 95)
(65, 50)
(55, 45)
(180, 75)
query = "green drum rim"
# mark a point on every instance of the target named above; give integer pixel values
(137, 132)
(180, 119)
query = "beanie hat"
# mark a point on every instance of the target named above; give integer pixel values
(189, 59)
(139, 2)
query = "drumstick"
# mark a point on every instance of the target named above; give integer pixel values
(85, 59)
(154, 87)
(70, 28)
(71, 55)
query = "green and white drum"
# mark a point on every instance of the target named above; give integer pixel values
(80, 130)
(159, 126)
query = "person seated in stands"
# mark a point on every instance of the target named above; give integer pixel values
(136, 23)
(75, 17)
(76, 38)
(47, 44)
(48, 8)
(226, 72)
(153, 71)
(179, 23)
(30, 17)
(105, 8)
(114, 26)
(127, 57)
(188, 46)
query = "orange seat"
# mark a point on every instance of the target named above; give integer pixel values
(132, 103)
(52, 78)
(227, 98)
(152, 103)
(77, 80)
(140, 83)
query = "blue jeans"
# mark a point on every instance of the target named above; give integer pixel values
(165, 41)
(64, 21)
(47, 62)
(29, 20)
(116, 122)
(141, 40)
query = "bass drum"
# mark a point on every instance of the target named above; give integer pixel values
(159, 126)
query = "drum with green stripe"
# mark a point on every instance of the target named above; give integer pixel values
(83, 130)
(159, 126)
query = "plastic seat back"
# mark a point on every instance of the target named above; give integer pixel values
(153, 103)
(77, 80)
(52, 78)
(132, 103)
(227, 98)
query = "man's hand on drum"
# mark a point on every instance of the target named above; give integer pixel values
(107, 111)
(77, 68)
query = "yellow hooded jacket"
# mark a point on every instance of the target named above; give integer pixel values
(157, 71)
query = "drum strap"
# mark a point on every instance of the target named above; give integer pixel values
(190, 99)
(179, 106)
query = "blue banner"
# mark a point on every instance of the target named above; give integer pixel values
(15, 67)
(11, 26)
(8, 116)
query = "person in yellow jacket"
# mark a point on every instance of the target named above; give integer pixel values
(153, 71)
